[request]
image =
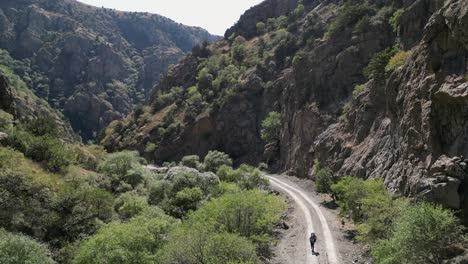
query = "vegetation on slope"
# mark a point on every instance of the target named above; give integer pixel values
(397, 230)
(88, 206)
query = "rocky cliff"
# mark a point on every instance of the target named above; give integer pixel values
(369, 88)
(91, 63)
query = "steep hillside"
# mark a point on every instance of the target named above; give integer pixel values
(369, 88)
(92, 63)
(18, 103)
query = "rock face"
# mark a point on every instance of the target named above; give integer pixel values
(407, 125)
(93, 63)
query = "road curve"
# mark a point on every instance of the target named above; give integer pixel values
(315, 221)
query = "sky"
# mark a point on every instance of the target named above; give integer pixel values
(213, 15)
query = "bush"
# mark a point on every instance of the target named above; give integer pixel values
(136, 241)
(271, 128)
(179, 190)
(122, 167)
(348, 15)
(6, 120)
(44, 148)
(188, 199)
(19, 249)
(397, 60)
(215, 159)
(129, 205)
(51, 152)
(380, 210)
(358, 89)
(82, 209)
(376, 67)
(261, 28)
(150, 147)
(324, 178)
(423, 234)
(199, 243)
(248, 213)
(191, 161)
(246, 177)
(238, 52)
(351, 192)
(393, 21)
(42, 125)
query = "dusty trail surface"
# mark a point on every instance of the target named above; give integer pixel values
(307, 214)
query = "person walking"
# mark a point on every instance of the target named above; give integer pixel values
(313, 239)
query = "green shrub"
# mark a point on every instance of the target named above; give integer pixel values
(188, 199)
(362, 25)
(6, 121)
(351, 191)
(179, 190)
(205, 78)
(380, 210)
(261, 28)
(122, 167)
(51, 152)
(376, 67)
(19, 249)
(83, 209)
(397, 60)
(246, 177)
(238, 52)
(358, 89)
(324, 178)
(215, 159)
(129, 205)
(348, 15)
(150, 147)
(200, 243)
(423, 234)
(191, 161)
(248, 213)
(41, 146)
(393, 21)
(136, 241)
(271, 127)
(42, 126)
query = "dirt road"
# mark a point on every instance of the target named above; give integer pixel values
(306, 216)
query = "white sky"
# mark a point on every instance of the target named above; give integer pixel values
(213, 15)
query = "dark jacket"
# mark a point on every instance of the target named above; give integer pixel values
(313, 238)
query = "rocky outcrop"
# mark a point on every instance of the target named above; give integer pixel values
(83, 57)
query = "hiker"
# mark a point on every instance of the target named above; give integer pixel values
(312, 239)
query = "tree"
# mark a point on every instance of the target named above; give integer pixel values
(271, 128)
(261, 28)
(191, 161)
(248, 213)
(246, 177)
(324, 178)
(136, 241)
(122, 167)
(351, 192)
(423, 234)
(200, 243)
(376, 67)
(19, 249)
(215, 159)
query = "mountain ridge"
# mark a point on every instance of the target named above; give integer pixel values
(92, 63)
